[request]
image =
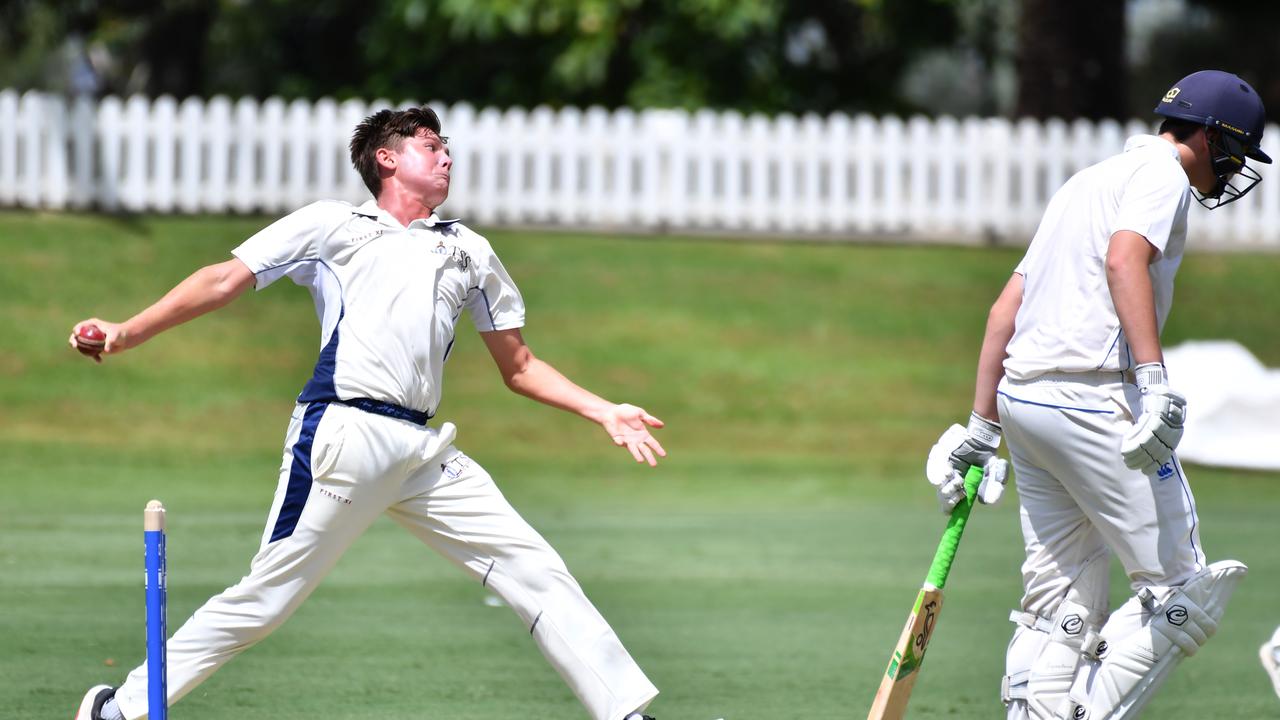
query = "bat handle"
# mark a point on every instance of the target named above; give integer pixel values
(946, 554)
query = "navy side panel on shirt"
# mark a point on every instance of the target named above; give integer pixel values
(320, 387)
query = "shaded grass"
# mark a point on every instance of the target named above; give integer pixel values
(763, 571)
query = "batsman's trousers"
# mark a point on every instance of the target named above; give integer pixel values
(1077, 497)
(344, 467)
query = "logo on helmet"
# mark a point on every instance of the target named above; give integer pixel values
(1232, 128)
(1169, 96)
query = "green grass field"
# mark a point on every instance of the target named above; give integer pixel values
(762, 571)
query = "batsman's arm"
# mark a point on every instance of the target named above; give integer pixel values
(205, 290)
(1129, 256)
(1000, 324)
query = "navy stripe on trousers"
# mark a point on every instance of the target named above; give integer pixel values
(295, 495)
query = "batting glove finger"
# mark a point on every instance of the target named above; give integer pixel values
(951, 492)
(938, 467)
(995, 474)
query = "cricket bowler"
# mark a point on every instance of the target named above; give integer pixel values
(390, 280)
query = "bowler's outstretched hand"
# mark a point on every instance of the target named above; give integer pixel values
(114, 342)
(628, 426)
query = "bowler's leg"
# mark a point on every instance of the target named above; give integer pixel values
(314, 519)
(462, 514)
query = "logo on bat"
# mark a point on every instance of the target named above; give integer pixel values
(930, 617)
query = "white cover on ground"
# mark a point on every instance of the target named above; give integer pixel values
(1233, 405)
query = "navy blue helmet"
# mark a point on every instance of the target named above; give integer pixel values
(1223, 102)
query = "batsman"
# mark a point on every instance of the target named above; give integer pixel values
(1071, 373)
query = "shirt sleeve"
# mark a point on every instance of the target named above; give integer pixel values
(286, 244)
(495, 302)
(1149, 203)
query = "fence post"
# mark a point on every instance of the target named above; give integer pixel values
(217, 127)
(946, 205)
(136, 134)
(191, 158)
(82, 136)
(8, 147)
(56, 185)
(164, 176)
(298, 143)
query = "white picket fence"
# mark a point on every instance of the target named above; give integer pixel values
(971, 180)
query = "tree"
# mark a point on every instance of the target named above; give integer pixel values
(752, 55)
(1071, 59)
(1212, 35)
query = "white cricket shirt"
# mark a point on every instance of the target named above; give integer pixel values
(388, 296)
(1067, 322)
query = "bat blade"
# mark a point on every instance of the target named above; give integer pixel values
(904, 664)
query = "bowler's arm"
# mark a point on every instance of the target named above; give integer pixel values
(995, 343)
(205, 290)
(627, 425)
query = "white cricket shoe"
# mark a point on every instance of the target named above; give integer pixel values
(1271, 663)
(91, 705)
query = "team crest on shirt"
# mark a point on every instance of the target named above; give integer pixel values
(459, 255)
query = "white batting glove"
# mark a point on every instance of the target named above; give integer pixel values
(1155, 434)
(957, 450)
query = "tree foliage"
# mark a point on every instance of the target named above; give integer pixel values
(1214, 34)
(1037, 57)
(768, 55)
(1071, 59)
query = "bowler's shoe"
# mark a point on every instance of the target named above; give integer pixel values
(91, 705)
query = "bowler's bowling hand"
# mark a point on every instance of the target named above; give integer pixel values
(628, 426)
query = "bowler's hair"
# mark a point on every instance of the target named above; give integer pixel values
(387, 129)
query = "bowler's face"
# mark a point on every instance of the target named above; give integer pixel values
(423, 164)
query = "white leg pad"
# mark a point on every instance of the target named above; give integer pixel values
(1073, 640)
(1040, 677)
(1135, 665)
(1054, 670)
(1024, 648)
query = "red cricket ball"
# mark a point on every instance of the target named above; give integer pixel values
(90, 340)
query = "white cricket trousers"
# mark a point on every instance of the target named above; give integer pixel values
(1077, 497)
(342, 469)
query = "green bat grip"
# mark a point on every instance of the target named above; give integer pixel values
(942, 559)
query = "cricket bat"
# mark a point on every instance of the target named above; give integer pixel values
(908, 655)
